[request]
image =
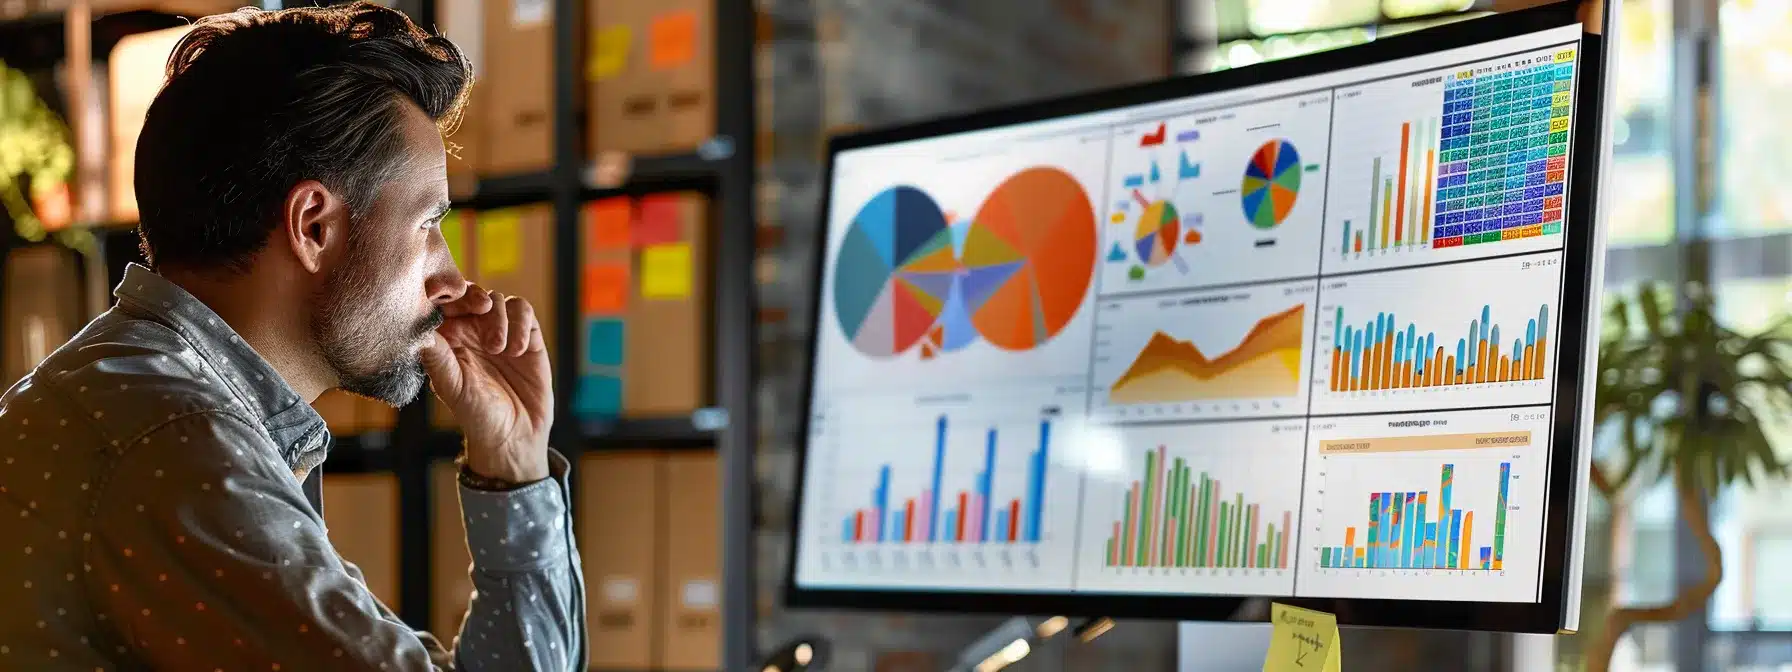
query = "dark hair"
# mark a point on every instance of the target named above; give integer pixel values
(257, 101)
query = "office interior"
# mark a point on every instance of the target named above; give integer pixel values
(683, 345)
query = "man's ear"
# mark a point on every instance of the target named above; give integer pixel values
(313, 224)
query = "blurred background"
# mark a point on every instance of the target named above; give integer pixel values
(650, 170)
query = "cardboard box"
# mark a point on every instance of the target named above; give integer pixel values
(42, 307)
(361, 511)
(519, 101)
(376, 416)
(620, 503)
(341, 411)
(463, 22)
(690, 632)
(650, 68)
(450, 578)
(667, 334)
(515, 255)
(137, 67)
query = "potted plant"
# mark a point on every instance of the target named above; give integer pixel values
(34, 153)
(1686, 396)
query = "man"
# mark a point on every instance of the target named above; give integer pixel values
(291, 177)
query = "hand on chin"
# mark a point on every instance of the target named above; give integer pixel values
(489, 364)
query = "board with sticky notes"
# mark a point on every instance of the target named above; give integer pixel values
(513, 252)
(650, 71)
(643, 306)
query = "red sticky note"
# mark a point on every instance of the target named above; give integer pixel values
(606, 288)
(659, 222)
(609, 222)
(672, 39)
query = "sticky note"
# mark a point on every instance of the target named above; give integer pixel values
(603, 342)
(500, 242)
(597, 396)
(609, 221)
(455, 235)
(666, 271)
(609, 52)
(659, 222)
(1303, 640)
(606, 288)
(672, 39)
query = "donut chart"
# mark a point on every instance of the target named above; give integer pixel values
(1271, 184)
(1016, 278)
(1157, 234)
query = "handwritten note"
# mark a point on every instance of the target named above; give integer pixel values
(666, 271)
(1303, 641)
(609, 52)
(673, 40)
(500, 242)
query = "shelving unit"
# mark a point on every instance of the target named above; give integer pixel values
(723, 169)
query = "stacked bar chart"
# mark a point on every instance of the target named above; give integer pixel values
(1403, 532)
(969, 517)
(1174, 517)
(1400, 201)
(1503, 172)
(1379, 355)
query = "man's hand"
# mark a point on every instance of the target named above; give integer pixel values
(488, 363)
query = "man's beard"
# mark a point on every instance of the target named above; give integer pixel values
(371, 358)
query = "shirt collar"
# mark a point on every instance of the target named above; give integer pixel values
(295, 426)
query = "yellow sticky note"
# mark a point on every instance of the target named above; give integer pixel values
(666, 271)
(500, 242)
(1303, 641)
(609, 52)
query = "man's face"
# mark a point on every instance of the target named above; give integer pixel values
(379, 305)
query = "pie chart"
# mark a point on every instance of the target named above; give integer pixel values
(1029, 257)
(895, 271)
(1271, 183)
(1156, 235)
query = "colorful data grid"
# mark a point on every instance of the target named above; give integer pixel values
(1505, 153)
(1401, 538)
(919, 520)
(1171, 520)
(1380, 356)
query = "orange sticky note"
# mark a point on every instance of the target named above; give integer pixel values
(672, 40)
(659, 222)
(606, 289)
(609, 221)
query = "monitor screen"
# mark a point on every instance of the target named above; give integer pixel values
(1310, 330)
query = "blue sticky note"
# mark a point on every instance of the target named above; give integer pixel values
(598, 396)
(603, 342)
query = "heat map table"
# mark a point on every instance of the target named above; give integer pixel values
(1503, 169)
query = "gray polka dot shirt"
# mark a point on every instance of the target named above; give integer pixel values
(153, 520)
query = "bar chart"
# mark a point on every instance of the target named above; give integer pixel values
(1438, 337)
(1394, 502)
(1176, 518)
(1201, 508)
(975, 518)
(1381, 355)
(1451, 165)
(958, 489)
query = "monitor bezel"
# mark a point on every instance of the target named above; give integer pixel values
(1548, 615)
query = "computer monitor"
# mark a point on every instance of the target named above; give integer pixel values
(1314, 331)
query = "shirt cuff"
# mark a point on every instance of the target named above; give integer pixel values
(521, 529)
